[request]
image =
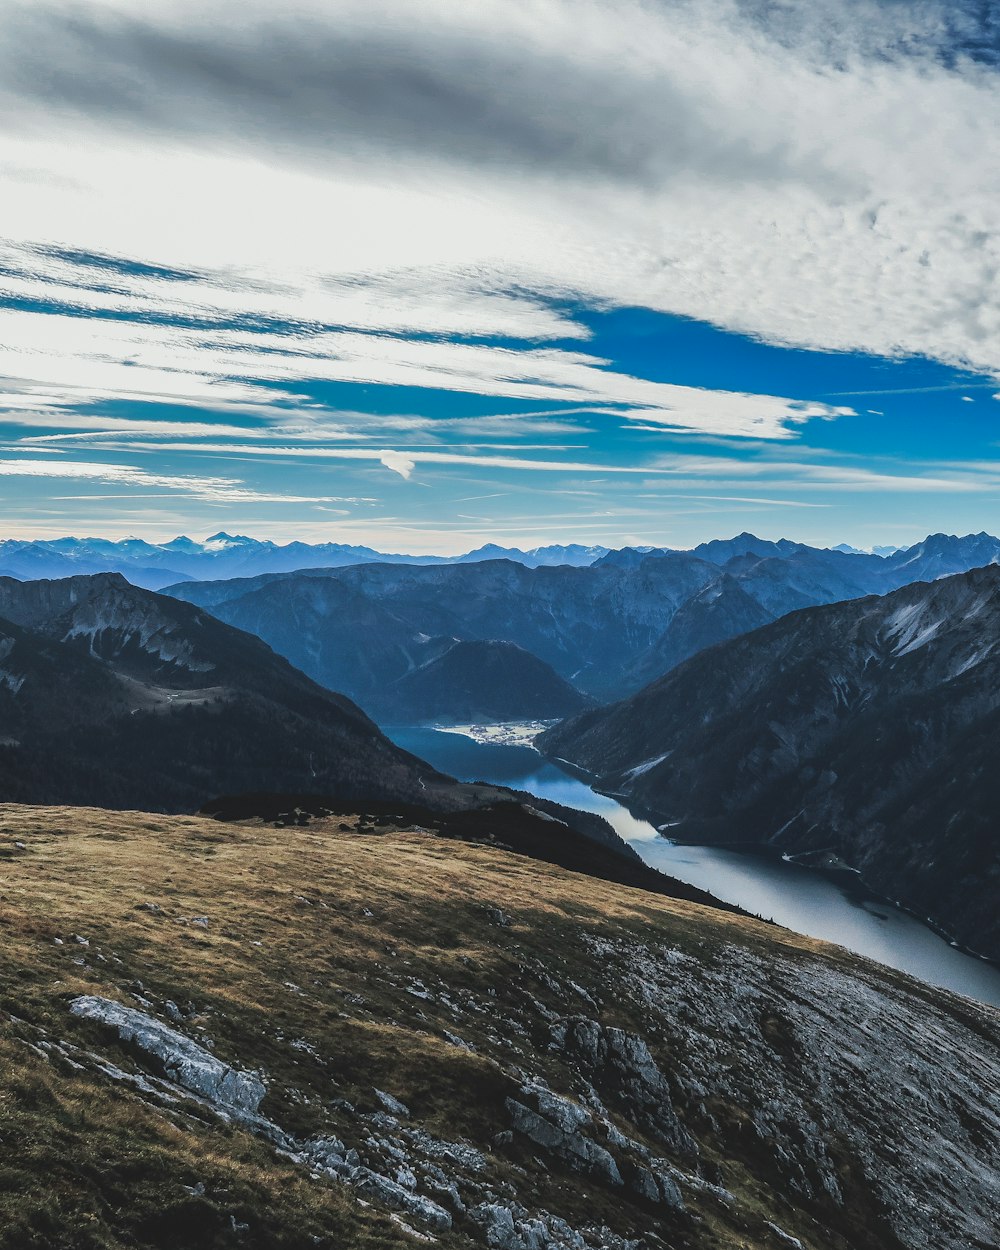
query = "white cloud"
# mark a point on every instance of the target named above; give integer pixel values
(824, 180)
(237, 368)
(401, 462)
(290, 170)
(96, 427)
(204, 488)
(398, 462)
(665, 472)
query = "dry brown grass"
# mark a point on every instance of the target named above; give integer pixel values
(315, 936)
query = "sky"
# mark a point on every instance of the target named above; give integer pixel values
(424, 274)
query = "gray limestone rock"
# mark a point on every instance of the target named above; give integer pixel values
(557, 1126)
(375, 1185)
(393, 1105)
(620, 1063)
(508, 1226)
(657, 1188)
(175, 1056)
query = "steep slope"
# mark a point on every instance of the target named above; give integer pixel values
(866, 731)
(720, 611)
(514, 821)
(806, 578)
(59, 688)
(232, 1036)
(323, 625)
(941, 555)
(116, 695)
(488, 680)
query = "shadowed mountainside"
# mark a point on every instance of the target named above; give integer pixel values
(606, 629)
(865, 731)
(115, 695)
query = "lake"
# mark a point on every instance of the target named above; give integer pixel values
(801, 899)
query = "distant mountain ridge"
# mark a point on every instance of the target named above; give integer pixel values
(224, 555)
(155, 565)
(865, 732)
(607, 628)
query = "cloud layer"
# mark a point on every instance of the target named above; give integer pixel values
(825, 180)
(236, 210)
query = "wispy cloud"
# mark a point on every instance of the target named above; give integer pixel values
(402, 461)
(206, 488)
(232, 369)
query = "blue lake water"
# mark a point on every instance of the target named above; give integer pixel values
(801, 899)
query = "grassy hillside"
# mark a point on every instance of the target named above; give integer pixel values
(508, 1045)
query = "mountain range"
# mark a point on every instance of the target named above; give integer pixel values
(223, 555)
(155, 565)
(859, 734)
(120, 697)
(607, 629)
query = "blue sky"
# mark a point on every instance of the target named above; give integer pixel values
(591, 272)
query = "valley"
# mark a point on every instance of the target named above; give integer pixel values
(862, 731)
(357, 982)
(834, 907)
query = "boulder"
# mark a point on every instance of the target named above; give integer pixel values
(557, 1126)
(382, 1189)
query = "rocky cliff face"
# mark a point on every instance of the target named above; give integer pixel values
(864, 730)
(334, 1035)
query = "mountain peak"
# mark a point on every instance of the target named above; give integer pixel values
(222, 537)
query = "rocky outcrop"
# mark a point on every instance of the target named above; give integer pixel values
(400, 1198)
(558, 1126)
(621, 1067)
(509, 1226)
(195, 1069)
(173, 1055)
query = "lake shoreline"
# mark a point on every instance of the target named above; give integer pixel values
(832, 904)
(841, 874)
